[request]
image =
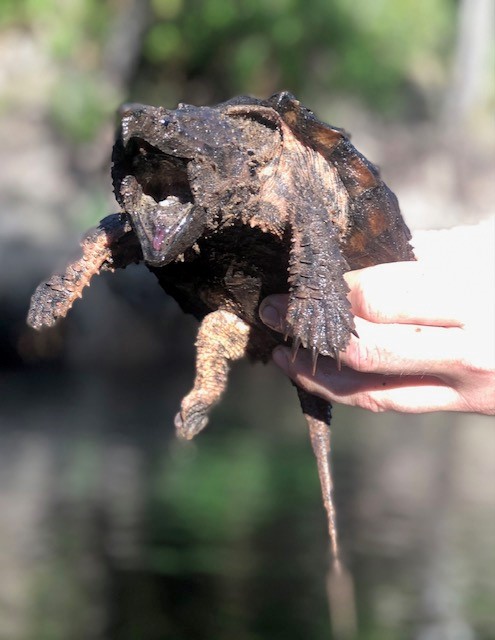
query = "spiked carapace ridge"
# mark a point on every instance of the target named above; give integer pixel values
(226, 205)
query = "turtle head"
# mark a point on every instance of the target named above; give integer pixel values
(178, 173)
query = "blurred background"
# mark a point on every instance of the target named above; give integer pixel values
(109, 529)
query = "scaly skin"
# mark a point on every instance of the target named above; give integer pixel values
(229, 204)
(111, 245)
(222, 338)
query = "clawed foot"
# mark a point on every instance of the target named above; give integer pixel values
(222, 337)
(50, 301)
(192, 417)
(320, 326)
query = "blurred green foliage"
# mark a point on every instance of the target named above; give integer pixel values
(241, 480)
(365, 48)
(209, 50)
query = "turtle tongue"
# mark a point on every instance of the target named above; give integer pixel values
(171, 217)
(158, 238)
(173, 229)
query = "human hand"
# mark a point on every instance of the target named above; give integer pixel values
(426, 330)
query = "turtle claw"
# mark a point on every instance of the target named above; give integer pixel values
(296, 343)
(314, 360)
(192, 418)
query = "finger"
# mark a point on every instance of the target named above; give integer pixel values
(375, 392)
(404, 349)
(409, 292)
(389, 348)
(273, 310)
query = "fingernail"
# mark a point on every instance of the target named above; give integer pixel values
(270, 316)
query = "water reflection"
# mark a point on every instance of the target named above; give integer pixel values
(110, 528)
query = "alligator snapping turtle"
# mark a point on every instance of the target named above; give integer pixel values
(226, 205)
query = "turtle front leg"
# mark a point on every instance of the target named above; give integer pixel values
(111, 245)
(222, 337)
(318, 314)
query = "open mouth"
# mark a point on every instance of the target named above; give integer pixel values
(159, 174)
(153, 187)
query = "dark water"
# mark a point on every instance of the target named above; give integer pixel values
(111, 529)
